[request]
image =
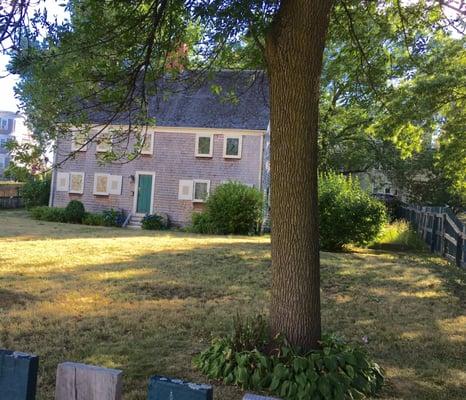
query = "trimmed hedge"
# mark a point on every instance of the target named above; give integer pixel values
(36, 192)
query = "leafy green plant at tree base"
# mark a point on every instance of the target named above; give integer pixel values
(337, 370)
(75, 212)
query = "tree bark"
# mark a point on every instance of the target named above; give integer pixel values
(294, 53)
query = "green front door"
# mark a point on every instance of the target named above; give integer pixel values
(144, 194)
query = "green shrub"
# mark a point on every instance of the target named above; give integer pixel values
(52, 214)
(347, 214)
(114, 217)
(36, 192)
(337, 370)
(233, 208)
(201, 223)
(94, 219)
(75, 212)
(155, 222)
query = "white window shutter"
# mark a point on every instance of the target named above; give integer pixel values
(115, 184)
(63, 181)
(185, 190)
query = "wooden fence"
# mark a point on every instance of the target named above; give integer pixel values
(10, 196)
(440, 229)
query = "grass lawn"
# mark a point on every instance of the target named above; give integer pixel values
(147, 302)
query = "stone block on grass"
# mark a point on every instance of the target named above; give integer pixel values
(18, 375)
(163, 388)
(87, 382)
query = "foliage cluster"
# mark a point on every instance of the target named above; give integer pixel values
(75, 212)
(398, 236)
(45, 213)
(337, 370)
(155, 222)
(347, 214)
(36, 191)
(233, 208)
(114, 217)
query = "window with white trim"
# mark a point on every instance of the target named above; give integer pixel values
(79, 141)
(4, 124)
(63, 181)
(104, 142)
(232, 146)
(201, 189)
(148, 145)
(101, 184)
(115, 184)
(77, 182)
(185, 190)
(3, 142)
(204, 145)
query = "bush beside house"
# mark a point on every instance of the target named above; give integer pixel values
(233, 208)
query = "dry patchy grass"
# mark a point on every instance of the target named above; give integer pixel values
(146, 302)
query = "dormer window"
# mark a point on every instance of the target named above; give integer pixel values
(204, 145)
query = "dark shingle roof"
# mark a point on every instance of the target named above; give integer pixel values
(226, 99)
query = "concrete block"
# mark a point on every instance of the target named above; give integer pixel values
(18, 375)
(87, 382)
(163, 388)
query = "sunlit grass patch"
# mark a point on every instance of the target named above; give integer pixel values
(398, 236)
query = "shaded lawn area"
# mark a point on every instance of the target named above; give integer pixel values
(147, 302)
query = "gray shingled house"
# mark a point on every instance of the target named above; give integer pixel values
(203, 137)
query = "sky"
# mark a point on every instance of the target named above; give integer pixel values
(7, 82)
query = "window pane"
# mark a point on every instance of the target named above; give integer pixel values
(200, 191)
(203, 145)
(147, 147)
(232, 147)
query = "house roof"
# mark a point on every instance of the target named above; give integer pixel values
(228, 99)
(224, 99)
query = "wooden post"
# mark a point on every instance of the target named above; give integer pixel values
(87, 382)
(18, 375)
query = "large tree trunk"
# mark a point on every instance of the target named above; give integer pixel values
(294, 52)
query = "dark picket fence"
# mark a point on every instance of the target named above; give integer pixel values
(440, 228)
(11, 202)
